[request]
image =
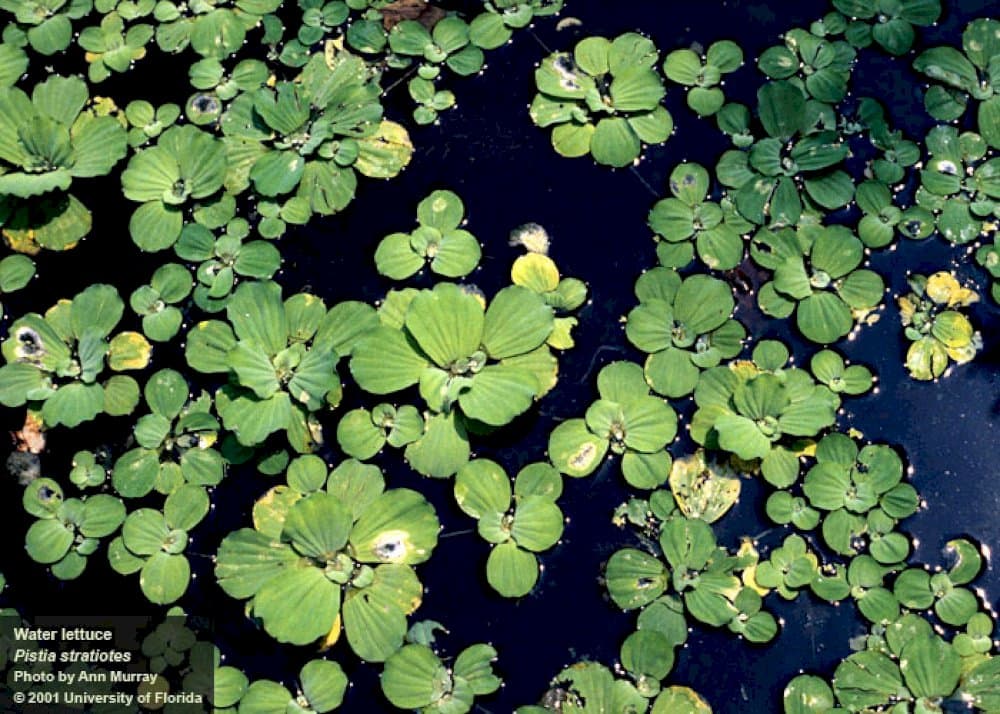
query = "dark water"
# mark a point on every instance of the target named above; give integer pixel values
(504, 169)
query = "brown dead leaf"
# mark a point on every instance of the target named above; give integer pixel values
(31, 437)
(395, 12)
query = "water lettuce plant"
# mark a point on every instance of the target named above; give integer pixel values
(519, 522)
(56, 359)
(685, 325)
(702, 575)
(818, 63)
(688, 216)
(416, 678)
(603, 99)
(965, 74)
(818, 276)
(758, 409)
(152, 543)
(703, 73)
(322, 685)
(185, 166)
(157, 302)
(282, 355)
(67, 530)
(959, 184)
(340, 540)
(890, 24)
(796, 150)
(627, 420)
(223, 260)
(175, 441)
(939, 332)
(46, 26)
(473, 363)
(49, 139)
(439, 242)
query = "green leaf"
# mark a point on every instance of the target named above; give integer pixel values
(634, 578)
(164, 578)
(413, 677)
(446, 322)
(512, 572)
(323, 684)
(481, 487)
(782, 109)
(442, 450)
(517, 321)
(614, 143)
(574, 450)
(278, 604)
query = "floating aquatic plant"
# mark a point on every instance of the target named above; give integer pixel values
(224, 259)
(887, 22)
(904, 660)
(152, 543)
(283, 357)
(474, 364)
(519, 523)
(322, 685)
(110, 47)
(964, 75)
(496, 26)
(703, 74)
(415, 678)
(626, 420)
(50, 139)
(703, 488)
(818, 276)
(57, 359)
(185, 166)
(685, 325)
(45, 25)
(822, 66)
(702, 574)
(797, 150)
(175, 442)
(340, 542)
(758, 409)
(67, 530)
(715, 228)
(939, 331)
(438, 241)
(959, 183)
(603, 99)
(156, 302)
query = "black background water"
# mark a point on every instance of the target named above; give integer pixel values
(504, 169)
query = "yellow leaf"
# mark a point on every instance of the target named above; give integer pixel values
(536, 272)
(129, 350)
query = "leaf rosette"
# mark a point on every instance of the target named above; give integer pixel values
(58, 358)
(688, 216)
(625, 420)
(933, 321)
(475, 366)
(282, 358)
(340, 543)
(187, 165)
(817, 275)
(759, 409)
(685, 325)
(603, 99)
(48, 140)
